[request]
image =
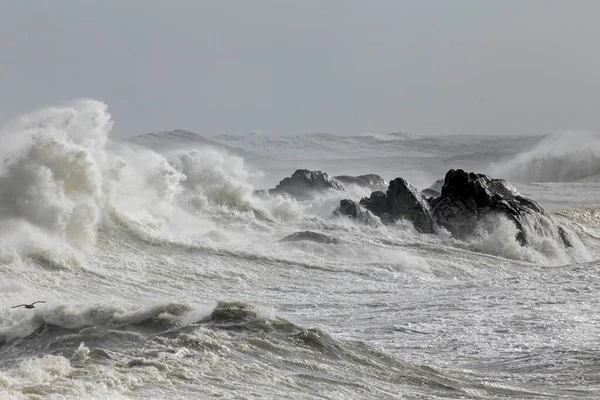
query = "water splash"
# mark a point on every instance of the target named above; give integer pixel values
(560, 157)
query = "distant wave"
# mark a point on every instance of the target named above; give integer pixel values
(180, 139)
(393, 136)
(327, 145)
(456, 150)
(559, 157)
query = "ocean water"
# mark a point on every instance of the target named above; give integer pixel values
(163, 275)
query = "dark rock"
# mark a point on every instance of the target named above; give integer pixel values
(406, 202)
(303, 184)
(402, 201)
(349, 208)
(376, 203)
(479, 187)
(312, 237)
(467, 198)
(355, 211)
(369, 181)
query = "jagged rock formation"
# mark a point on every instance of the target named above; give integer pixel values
(401, 201)
(351, 209)
(465, 199)
(303, 184)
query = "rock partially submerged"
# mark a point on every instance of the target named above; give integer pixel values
(464, 201)
(401, 201)
(377, 203)
(369, 181)
(312, 237)
(304, 184)
(352, 209)
(459, 203)
(406, 202)
(468, 198)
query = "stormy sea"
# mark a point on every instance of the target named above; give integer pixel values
(173, 265)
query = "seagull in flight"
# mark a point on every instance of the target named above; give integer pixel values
(29, 305)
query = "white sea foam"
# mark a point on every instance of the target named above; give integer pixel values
(498, 236)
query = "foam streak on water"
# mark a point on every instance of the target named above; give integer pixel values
(164, 275)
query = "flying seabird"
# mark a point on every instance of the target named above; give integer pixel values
(29, 305)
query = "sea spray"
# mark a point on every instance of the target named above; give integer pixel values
(497, 235)
(560, 157)
(214, 177)
(53, 180)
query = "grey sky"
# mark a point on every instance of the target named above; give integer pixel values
(346, 67)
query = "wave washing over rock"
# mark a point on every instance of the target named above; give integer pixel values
(167, 273)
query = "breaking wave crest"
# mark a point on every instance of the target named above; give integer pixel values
(52, 180)
(560, 157)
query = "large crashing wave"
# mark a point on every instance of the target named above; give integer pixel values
(62, 180)
(560, 157)
(52, 176)
(59, 179)
(212, 177)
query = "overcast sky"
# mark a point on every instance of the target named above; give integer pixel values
(284, 67)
